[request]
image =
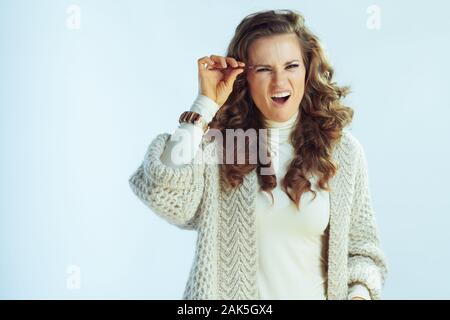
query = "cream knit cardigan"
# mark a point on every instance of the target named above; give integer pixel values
(226, 257)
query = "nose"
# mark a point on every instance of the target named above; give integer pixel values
(279, 78)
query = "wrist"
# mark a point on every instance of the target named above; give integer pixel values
(358, 290)
(205, 106)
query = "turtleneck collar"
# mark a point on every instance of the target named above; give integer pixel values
(282, 128)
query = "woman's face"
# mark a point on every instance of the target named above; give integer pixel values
(277, 68)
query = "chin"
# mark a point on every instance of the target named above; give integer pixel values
(278, 116)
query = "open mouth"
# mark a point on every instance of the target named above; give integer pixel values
(280, 100)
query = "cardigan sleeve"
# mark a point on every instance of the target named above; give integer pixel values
(172, 185)
(172, 193)
(366, 263)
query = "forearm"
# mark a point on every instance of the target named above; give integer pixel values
(184, 143)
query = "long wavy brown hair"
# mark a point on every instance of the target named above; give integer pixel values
(321, 117)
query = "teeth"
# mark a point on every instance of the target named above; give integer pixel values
(281, 94)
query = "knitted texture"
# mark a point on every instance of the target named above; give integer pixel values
(225, 263)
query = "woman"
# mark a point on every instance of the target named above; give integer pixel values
(300, 226)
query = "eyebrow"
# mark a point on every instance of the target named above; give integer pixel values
(266, 65)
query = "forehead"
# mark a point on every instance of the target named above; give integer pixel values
(275, 49)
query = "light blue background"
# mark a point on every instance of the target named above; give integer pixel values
(79, 107)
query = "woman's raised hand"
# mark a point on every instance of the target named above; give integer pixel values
(216, 76)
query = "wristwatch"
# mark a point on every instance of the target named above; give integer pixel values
(194, 118)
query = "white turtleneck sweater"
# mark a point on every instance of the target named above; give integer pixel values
(292, 260)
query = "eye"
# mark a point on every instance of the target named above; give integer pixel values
(292, 66)
(288, 67)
